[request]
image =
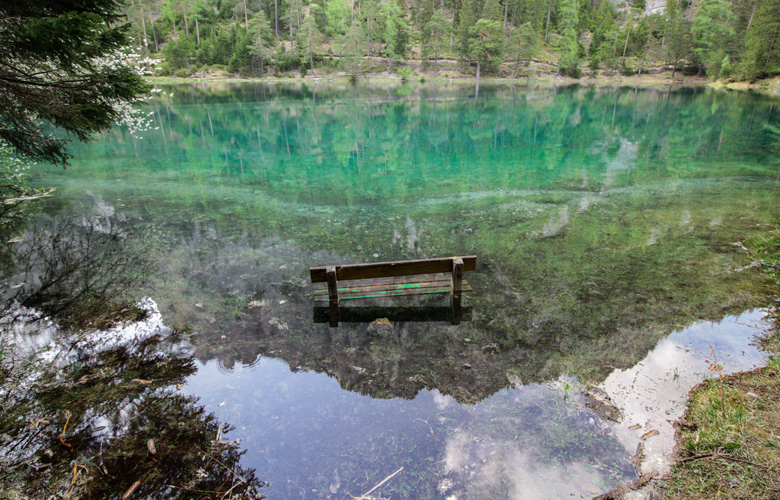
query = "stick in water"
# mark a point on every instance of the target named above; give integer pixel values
(381, 483)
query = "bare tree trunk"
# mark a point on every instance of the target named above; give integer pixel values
(506, 11)
(625, 47)
(750, 23)
(546, 29)
(143, 23)
(154, 34)
(644, 53)
(246, 18)
(276, 18)
(197, 30)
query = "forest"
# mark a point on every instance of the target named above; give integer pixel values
(729, 40)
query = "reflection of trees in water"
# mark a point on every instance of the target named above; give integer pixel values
(542, 307)
(90, 413)
(73, 266)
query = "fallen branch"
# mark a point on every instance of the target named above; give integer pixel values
(623, 489)
(62, 436)
(695, 457)
(364, 496)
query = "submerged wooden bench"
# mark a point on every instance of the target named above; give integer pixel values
(388, 279)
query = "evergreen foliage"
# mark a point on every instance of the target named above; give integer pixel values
(60, 68)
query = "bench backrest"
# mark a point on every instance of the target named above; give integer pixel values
(389, 269)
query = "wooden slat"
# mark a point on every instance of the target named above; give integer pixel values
(366, 292)
(385, 269)
(397, 280)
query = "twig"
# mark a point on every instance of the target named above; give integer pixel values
(223, 465)
(62, 436)
(696, 457)
(380, 484)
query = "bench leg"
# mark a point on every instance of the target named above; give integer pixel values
(335, 314)
(333, 295)
(457, 277)
(457, 310)
(333, 290)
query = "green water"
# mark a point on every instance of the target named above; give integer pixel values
(602, 219)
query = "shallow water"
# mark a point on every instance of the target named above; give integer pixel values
(603, 221)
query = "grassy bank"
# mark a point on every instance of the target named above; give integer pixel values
(729, 438)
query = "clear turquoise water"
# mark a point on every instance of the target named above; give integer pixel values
(603, 220)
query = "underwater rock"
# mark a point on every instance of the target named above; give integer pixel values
(491, 348)
(381, 326)
(514, 380)
(598, 400)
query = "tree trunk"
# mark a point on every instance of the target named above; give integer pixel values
(143, 23)
(750, 23)
(506, 11)
(186, 24)
(517, 65)
(546, 29)
(154, 33)
(644, 53)
(246, 18)
(276, 18)
(479, 66)
(197, 30)
(622, 61)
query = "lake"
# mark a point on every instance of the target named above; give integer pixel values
(608, 226)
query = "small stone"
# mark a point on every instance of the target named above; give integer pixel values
(381, 326)
(514, 380)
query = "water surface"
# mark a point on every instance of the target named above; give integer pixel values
(603, 221)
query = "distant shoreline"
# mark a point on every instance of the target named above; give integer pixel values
(655, 80)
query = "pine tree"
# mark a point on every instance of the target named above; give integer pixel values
(522, 45)
(762, 51)
(261, 39)
(486, 43)
(338, 15)
(352, 50)
(395, 32)
(569, 58)
(436, 28)
(712, 32)
(308, 38)
(678, 35)
(493, 11)
(465, 23)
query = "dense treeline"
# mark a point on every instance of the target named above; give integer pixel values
(726, 39)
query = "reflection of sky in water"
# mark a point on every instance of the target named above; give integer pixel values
(312, 439)
(654, 392)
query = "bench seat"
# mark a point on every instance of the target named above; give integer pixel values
(390, 287)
